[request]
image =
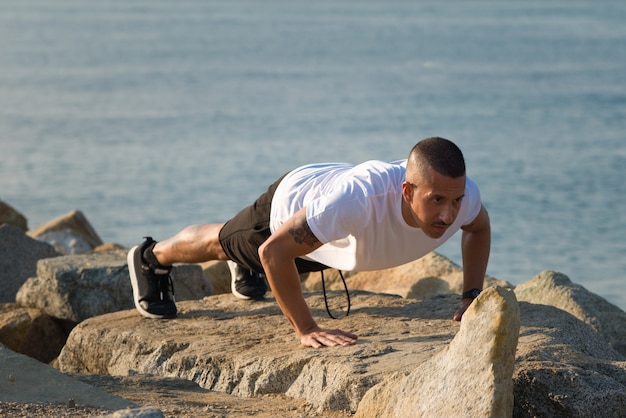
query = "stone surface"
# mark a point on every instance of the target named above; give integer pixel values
(556, 289)
(68, 234)
(18, 259)
(31, 332)
(23, 379)
(475, 370)
(145, 412)
(77, 287)
(9, 215)
(249, 349)
(563, 367)
(218, 274)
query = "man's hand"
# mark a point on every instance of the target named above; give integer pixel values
(319, 337)
(465, 303)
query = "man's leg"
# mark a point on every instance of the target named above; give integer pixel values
(238, 240)
(193, 244)
(150, 264)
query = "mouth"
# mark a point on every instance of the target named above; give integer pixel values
(441, 226)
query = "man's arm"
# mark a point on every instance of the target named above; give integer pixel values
(475, 246)
(293, 239)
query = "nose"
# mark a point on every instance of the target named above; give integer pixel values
(448, 214)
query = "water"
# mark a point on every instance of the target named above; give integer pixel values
(151, 115)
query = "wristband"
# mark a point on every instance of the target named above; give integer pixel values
(472, 294)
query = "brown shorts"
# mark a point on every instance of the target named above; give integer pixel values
(242, 236)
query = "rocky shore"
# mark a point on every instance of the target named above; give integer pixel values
(71, 343)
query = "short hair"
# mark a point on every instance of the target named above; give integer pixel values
(439, 153)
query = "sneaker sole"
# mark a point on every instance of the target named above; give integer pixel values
(135, 284)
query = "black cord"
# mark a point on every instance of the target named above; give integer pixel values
(345, 286)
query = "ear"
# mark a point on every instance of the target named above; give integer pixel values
(407, 191)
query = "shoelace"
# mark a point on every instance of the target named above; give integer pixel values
(166, 285)
(345, 286)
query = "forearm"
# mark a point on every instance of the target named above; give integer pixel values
(293, 239)
(284, 281)
(278, 260)
(475, 248)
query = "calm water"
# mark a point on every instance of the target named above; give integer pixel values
(151, 115)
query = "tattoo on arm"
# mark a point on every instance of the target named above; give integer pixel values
(301, 232)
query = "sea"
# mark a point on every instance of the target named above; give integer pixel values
(150, 115)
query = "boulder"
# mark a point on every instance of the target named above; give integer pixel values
(430, 275)
(24, 379)
(470, 377)
(30, 332)
(248, 348)
(68, 234)
(144, 412)
(556, 289)
(8, 215)
(218, 274)
(18, 259)
(77, 287)
(563, 367)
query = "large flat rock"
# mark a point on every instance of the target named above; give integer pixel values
(563, 368)
(248, 348)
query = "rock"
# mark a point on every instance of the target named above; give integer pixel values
(249, 349)
(145, 412)
(563, 368)
(18, 259)
(430, 275)
(30, 332)
(23, 379)
(10, 216)
(69, 234)
(77, 287)
(471, 377)
(556, 289)
(218, 274)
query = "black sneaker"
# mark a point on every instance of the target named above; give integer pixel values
(153, 291)
(246, 284)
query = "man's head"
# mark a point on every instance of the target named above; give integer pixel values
(438, 153)
(434, 185)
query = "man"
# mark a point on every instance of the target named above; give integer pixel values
(370, 216)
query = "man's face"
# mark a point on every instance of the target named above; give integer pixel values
(432, 203)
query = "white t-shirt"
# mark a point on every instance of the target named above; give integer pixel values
(356, 212)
